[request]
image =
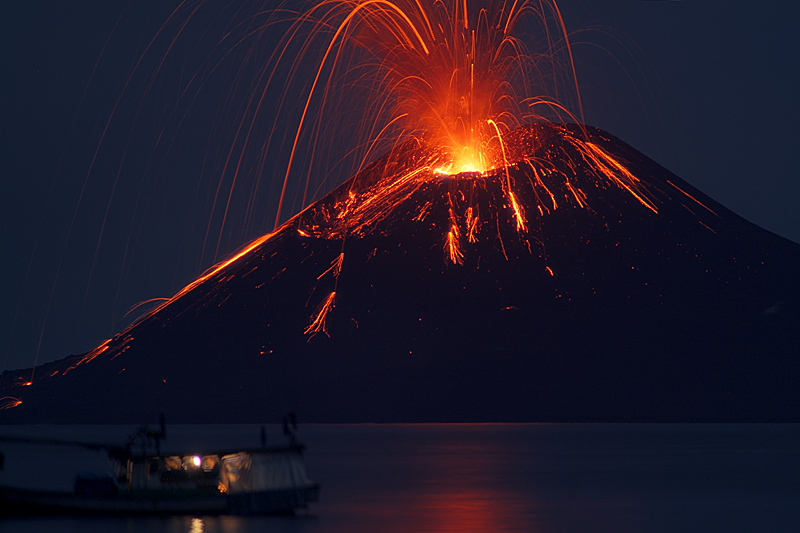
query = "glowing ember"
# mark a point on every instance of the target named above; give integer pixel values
(317, 324)
(9, 402)
(453, 246)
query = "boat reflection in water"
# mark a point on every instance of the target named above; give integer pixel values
(143, 480)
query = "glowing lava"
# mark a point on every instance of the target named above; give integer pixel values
(454, 75)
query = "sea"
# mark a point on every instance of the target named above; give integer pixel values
(472, 477)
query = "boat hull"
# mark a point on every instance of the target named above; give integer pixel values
(17, 501)
(273, 502)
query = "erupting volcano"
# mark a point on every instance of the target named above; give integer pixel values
(581, 282)
(498, 263)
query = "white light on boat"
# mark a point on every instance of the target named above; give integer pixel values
(196, 461)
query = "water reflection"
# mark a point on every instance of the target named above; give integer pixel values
(597, 478)
(467, 488)
(527, 478)
(470, 510)
(196, 526)
(443, 479)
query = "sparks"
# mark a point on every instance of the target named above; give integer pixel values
(318, 321)
(519, 215)
(453, 247)
(9, 402)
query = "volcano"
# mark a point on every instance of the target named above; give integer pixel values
(579, 281)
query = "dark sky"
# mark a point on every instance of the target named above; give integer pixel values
(91, 228)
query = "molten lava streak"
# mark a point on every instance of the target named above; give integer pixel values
(9, 402)
(317, 324)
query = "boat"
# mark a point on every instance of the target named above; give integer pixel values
(266, 480)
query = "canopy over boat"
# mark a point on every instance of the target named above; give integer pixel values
(142, 479)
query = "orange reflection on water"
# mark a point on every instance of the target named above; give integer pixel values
(469, 509)
(468, 487)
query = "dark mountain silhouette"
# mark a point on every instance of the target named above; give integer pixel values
(616, 292)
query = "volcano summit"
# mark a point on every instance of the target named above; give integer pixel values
(580, 282)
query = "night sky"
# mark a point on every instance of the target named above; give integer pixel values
(91, 228)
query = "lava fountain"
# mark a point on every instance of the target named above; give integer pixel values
(454, 75)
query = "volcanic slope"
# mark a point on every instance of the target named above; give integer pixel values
(582, 282)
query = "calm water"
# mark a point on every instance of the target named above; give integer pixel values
(539, 478)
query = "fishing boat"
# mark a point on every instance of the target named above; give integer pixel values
(142, 479)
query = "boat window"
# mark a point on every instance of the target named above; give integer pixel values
(210, 462)
(234, 471)
(191, 462)
(173, 463)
